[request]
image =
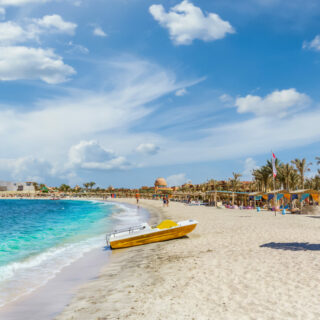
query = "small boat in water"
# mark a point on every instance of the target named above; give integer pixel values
(55, 198)
(143, 234)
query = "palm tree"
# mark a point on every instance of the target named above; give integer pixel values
(64, 188)
(285, 171)
(294, 180)
(318, 160)
(91, 184)
(302, 166)
(262, 176)
(235, 182)
(316, 182)
(86, 185)
(212, 185)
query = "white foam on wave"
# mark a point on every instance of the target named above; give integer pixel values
(22, 277)
(128, 215)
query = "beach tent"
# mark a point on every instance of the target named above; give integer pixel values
(304, 194)
(44, 190)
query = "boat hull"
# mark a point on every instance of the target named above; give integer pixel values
(161, 235)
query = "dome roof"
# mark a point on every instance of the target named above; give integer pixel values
(160, 182)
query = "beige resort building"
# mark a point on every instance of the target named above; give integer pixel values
(6, 186)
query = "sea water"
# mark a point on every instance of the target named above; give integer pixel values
(38, 238)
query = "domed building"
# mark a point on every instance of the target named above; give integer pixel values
(161, 186)
(160, 183)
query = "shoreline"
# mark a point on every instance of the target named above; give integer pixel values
(59, 290)
(237, 264)
(115, 276)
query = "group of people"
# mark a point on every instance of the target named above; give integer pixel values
(164, 199)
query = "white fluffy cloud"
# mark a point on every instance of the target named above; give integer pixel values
(177, 179)
(92, 156)
(13, 33)
(148, 148)
(26, 2)
(186, 22)
(54, 23)
(277, 103)
(19, 63)
(24, 63)
(312, 45)
(99, 32)
(19, 2)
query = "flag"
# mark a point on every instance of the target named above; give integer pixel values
(274, 169)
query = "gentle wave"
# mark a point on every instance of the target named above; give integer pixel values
(22, 277)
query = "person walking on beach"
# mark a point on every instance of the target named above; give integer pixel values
(164, 201)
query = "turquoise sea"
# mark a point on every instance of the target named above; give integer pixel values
(40, 237)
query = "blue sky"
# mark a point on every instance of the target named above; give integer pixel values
(121, 92)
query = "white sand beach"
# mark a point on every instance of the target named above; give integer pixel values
(237, 264)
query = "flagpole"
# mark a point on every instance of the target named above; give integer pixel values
(274, 195)
(274, 182)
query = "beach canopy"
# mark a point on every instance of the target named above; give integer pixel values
(304, 196)
(270, 196)
(279, 196)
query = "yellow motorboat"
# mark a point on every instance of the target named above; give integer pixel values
(143, 234)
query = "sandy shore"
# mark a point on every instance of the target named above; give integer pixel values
(235, 265)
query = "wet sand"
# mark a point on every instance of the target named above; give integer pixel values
(237, 264)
